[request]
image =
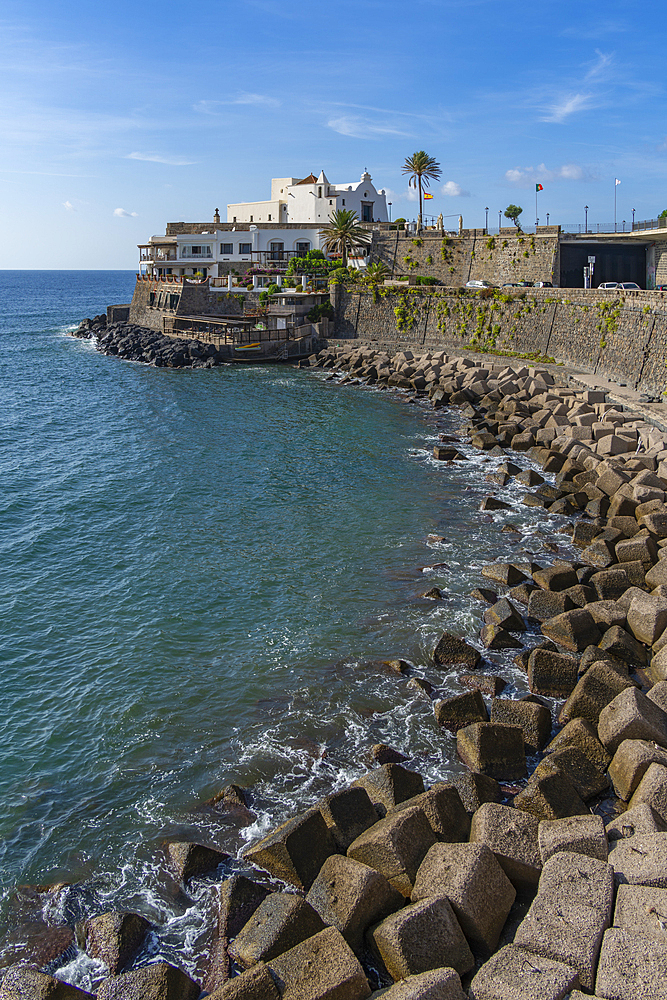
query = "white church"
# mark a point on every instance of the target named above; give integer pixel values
(312, 199)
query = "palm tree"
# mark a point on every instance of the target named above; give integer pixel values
(343, 233)
(376, 273)
(422, 168)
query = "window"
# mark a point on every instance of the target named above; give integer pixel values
(251, 218)
(269, 216)
(227, 248)
(302, 249)
(245, 248)
(343, 200)
(277, 250)
(234, 218)
(331, 203)
(319, 192)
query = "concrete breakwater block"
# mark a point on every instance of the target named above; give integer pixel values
(473, 881)
(154, 982)
(443, 809)
(396, 846)
(420, 937)
(570, 913)
(281, 921)
(631, 715)
(254, 984)
(390, 784)
(438, 984)
(322, 967)
(640, 860)
(512, 835)
(583, 834)
(631, 966)
(494, 749)
(351, 896)
(347, 813)
(514, 973)
(637, 821)
(296, 851)
(25, 983)
(631, 762)
(115, 938)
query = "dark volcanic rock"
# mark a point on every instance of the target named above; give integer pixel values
(136, 343)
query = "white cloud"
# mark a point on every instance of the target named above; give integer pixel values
(69, 206)
(603, 61)
(171, 161)
(357, 127)
(526, 177)
(243, 98)
(120, 213)
(453, 190)
(568, 105)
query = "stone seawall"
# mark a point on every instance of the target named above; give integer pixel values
(510, 256)
(617, 336)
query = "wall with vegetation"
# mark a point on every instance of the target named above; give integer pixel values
(623, 337)
(454, 260)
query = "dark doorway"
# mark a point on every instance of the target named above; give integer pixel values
(613, 262)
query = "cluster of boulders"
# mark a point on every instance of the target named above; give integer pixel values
(137, 343)
(541, 872)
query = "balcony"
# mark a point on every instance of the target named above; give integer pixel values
(196, 256)
(157, 255)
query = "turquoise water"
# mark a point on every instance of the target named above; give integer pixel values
(198, 574)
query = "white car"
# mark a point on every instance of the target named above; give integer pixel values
(630, 286)
(608, 285)
(478, 284)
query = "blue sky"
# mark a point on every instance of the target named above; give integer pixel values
(117, 118)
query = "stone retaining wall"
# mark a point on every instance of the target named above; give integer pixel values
(622, 337)
(511, 256)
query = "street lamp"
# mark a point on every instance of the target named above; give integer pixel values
(547, 218)
(486, 224)
(390, 204)
(586, 223)
(500, 215)
(633, 218)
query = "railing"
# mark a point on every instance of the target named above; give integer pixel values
(158, 255)
(596, 227)
(659, 223)
(196, 256)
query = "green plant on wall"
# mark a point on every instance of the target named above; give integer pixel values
(406, 312)
(429, 259)
(490, 243)
(417, 242)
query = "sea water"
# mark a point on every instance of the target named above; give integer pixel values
(201, 573)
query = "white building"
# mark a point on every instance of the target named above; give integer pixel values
(216, 251)
(312, 199)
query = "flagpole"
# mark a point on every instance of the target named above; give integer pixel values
(615, 186)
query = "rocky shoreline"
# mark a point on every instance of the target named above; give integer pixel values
(136, 343)
(540, 873)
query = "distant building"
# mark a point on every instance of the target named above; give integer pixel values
(313, 199)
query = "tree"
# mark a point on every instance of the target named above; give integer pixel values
(513, 212)
(663, 214)
(376, 273)
(422, 169)
(343, 233)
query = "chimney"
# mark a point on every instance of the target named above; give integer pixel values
(216, 217)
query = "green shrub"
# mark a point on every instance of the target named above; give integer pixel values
(317, 312)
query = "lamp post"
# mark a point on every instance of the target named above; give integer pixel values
(547, 218)
(500, 215)
(586, 222)
(633, 218)
(390, 204)
(486, 224)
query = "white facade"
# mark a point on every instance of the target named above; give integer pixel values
(313, 199)
(216, 252)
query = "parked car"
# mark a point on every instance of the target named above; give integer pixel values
(608, 285)
(630, 286)
(510, 284)
(478, 284)
(524, 284)
(661, 288)
(542, 284)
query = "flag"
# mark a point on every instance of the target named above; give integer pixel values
(427, 197)
(538, 187)
(617, 182)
